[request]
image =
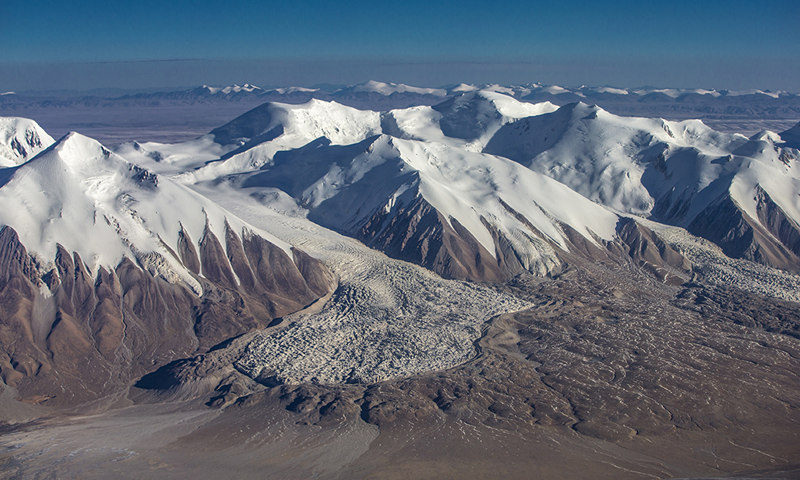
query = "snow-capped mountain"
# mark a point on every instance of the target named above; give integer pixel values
(203, 93)
(380, 96)
(231, 89)
(305, 122)
(463, 214)
(252, 139)
(93, 202)
(412, 182)
(682, 173)
(725, 108)
(584, 91)
(20, 140)
(123, 268)
(178, 115)
(388, 89)
(741, 193)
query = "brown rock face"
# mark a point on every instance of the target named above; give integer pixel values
(651, 253)
(69, 336)
(418, 233)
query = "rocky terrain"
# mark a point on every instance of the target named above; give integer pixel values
(586, 379)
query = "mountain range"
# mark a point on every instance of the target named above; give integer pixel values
(108, 265)
(464, 255)
(479, 169)
(668, 102)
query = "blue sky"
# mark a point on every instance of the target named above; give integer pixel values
(146, 44)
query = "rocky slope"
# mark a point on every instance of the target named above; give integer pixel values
(701, 383)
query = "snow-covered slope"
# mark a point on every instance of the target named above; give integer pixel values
(387, 89)
(165, 158)
(253, 138)
(91, 201)
(467, 120)
(477, 115)
(670, 171)
(299, 123)
(20, 140)
(791, 137)
(369, 189)
(604, 157)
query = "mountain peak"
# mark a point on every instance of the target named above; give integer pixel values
(20, 140)
(230, 89)
(384, 88)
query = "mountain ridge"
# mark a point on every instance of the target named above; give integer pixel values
(109, 265)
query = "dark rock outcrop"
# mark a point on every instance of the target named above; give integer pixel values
(418, 233)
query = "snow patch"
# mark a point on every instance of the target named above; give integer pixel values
(387, 89)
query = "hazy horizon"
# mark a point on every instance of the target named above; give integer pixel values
(86, 45)
(143, 76)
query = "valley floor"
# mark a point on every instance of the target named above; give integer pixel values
(588, 384)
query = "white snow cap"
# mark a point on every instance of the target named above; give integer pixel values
(93, 202)
(227, 90)
(384, 88)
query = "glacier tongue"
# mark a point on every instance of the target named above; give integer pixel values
(387, 319)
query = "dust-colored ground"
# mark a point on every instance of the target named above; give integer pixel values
(609, 375)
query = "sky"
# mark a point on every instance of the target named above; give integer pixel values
(145, 44)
